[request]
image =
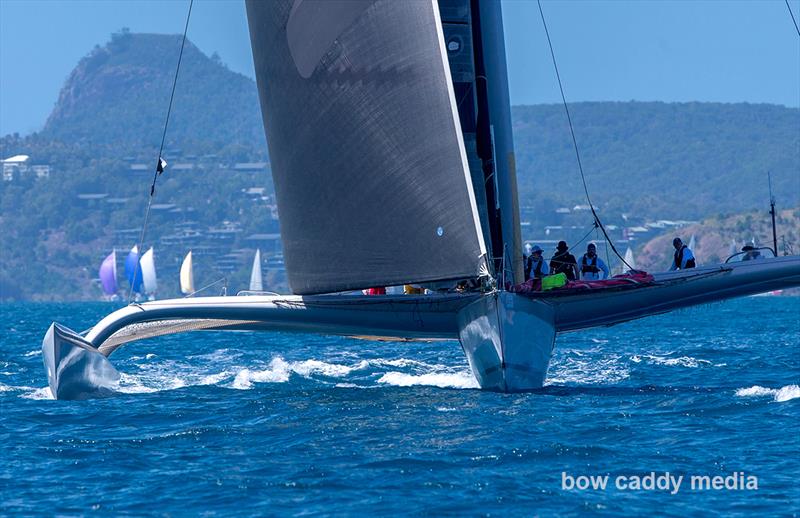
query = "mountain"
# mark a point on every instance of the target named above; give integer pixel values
(643, 162)
(118, 96)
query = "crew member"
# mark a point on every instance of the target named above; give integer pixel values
(750, 253)
(564, 262)
(535, 266)
(592, 266)
(683, 258)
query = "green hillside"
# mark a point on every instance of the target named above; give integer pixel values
(648, 161)
(118, 95)
(660, 160)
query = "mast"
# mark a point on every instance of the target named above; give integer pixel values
(495, 138)
(772, 214)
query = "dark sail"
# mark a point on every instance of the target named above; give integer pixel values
(368, 160)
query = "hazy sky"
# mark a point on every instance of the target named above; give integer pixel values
(666, 50)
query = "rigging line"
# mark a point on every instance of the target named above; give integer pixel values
(792, 15)
(574, 140)
(223, 279)
(570, 249)
(159, 167)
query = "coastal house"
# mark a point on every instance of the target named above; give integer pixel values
(17, 166)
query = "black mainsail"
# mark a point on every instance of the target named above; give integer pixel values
(368, 159)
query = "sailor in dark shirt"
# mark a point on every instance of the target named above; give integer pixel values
(564, 262)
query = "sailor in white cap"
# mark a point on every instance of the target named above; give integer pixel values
(536, 266)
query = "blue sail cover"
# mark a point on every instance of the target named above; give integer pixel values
(133, 271)
(368, 159)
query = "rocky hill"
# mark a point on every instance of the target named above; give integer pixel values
(118, 96)
(716, 236)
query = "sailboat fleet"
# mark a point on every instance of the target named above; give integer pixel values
(388, 123)
(141, 275)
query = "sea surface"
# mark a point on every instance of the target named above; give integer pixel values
(295, 424)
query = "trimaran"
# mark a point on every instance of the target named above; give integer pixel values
(390, 139)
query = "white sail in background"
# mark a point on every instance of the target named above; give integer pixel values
(187, 275)
(256, 283)
(148, 265)
(629, 258)
(691, 244)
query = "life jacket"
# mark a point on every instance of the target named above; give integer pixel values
(589, 267)
(532, 271)
(679, 259)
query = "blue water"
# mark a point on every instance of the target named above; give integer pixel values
(300, 424)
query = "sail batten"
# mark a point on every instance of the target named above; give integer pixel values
(367, 156)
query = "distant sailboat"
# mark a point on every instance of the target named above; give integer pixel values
(187, 275)
(148, 266)
(691, 244)
(108, 275)
(133, 270)
(629, 258)
(256, 283)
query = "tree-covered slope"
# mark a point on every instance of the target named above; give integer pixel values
(676, 160)
(118, 96)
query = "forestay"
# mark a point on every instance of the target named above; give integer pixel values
(367, 155)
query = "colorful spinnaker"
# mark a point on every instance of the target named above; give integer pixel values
(133, 270)
(108, 274)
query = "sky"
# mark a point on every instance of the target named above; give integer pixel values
(607, 50)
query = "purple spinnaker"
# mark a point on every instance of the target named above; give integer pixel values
(108, 274)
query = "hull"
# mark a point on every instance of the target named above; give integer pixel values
(76, 369)
(508, 338)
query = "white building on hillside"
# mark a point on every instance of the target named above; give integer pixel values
(16, 166)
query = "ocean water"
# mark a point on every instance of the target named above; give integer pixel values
(273, 423)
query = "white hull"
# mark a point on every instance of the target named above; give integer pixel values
(508, 338)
